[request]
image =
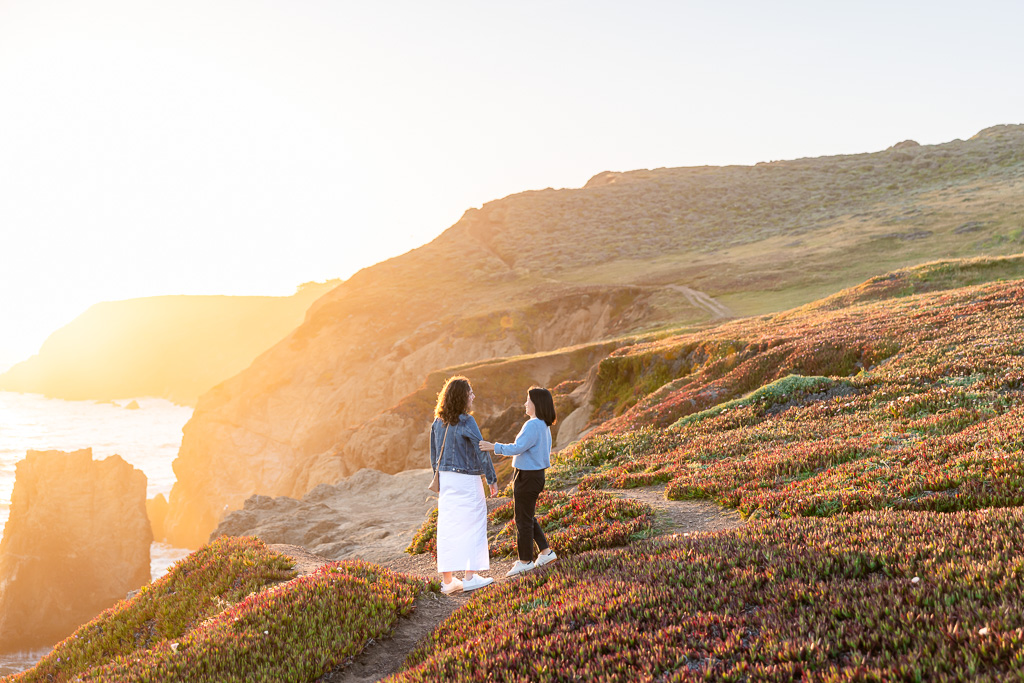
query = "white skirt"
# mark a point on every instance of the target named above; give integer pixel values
(461, 524)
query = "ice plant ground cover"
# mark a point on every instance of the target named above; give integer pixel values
(223, 614)
(573, 523)
(197, 587)
(876, 449)
(873, 596)
(916, 403)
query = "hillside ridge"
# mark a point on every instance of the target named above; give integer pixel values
(539, 271)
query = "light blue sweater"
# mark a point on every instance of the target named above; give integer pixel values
(532, 449)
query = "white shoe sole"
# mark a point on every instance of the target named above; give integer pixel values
(545, 559)
(466, 589)
(521, 570)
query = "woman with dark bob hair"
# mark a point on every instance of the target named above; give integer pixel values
(531, 455)
(461, 505)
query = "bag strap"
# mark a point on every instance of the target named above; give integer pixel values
(441, 454)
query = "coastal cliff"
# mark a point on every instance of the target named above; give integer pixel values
(539, 271)
(172, 347)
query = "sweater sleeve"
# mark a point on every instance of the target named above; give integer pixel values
(527, 436)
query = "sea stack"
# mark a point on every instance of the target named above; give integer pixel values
(76, 542)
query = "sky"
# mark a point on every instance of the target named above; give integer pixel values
(248, 146)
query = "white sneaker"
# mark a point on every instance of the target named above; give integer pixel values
(449, 588)
(544, 558)
(519, 567)
(475, 582)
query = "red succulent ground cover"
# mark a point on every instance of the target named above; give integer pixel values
(955, 333)
(215, 617)
(877, 449)
(871, 596)
(880, 449)
(938, 424)
(573, 523)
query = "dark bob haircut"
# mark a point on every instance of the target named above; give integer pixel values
(543, 404)
(453, 400)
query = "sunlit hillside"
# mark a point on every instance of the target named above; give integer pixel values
(173, 347)
(875, 448)
(872, 440)
(630, 253)
(908, 403)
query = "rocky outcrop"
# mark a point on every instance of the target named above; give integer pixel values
(173, 347)
(156, 510)
(77, 540)
(369, 516)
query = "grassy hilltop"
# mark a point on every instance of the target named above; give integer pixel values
(636, 253)
(873, 440)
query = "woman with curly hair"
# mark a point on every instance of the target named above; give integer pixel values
(531, 455)
(461, 505)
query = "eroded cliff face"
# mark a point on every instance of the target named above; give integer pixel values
(76, 542)
(328, 400)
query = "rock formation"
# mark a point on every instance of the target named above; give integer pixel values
(156, 510)
(541, 271)
(77, 540)
(369, 516)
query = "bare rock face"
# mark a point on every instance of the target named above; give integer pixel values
(76, 542)
(369, 516)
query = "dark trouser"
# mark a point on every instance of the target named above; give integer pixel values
(526, 486)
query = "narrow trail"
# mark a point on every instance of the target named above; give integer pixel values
(681, 516)
(384, 657)
(699, 299)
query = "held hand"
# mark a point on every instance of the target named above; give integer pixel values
(486, 446)
(494, 491)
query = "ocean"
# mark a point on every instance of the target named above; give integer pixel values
(147, 438)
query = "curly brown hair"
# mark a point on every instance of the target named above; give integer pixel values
(453, 400)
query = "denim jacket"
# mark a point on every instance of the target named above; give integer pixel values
(462, 452)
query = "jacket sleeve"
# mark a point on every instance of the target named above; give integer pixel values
(433, 449)
(527, 437)
(475, 437)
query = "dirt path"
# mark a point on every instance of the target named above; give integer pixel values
(699, 299)
(681, 516)
(384, 657)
